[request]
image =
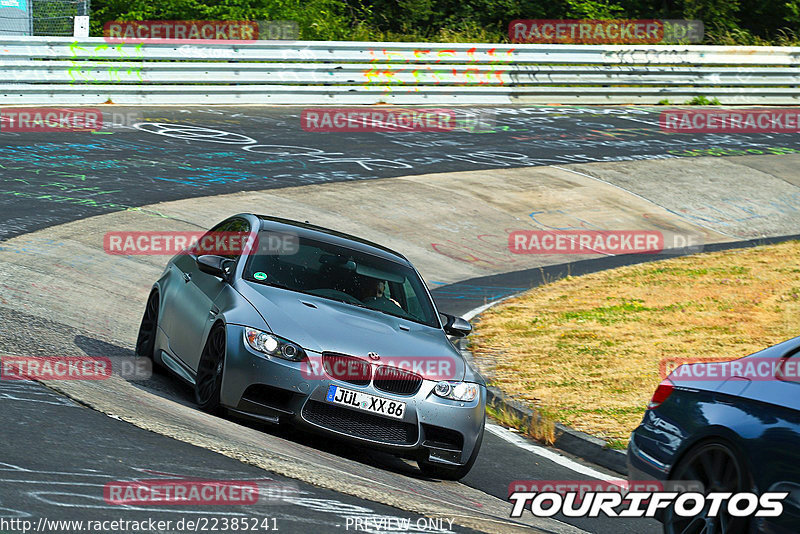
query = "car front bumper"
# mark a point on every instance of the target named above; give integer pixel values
(277, 390)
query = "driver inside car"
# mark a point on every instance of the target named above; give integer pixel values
(373, 293)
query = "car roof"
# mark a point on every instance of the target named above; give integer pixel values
(320, 233)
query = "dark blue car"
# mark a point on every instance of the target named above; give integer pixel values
(732, 428)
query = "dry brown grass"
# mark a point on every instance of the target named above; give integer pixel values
(585, 350)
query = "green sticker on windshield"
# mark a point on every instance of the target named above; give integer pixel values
(260, 276)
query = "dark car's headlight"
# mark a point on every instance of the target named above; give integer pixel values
(273, 345)
(458, 391)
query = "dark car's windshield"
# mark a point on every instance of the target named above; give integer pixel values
(343, 274)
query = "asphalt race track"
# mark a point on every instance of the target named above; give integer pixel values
(188, 168)
(193, 152)
(79, 450)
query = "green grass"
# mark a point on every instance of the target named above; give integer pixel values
(590, 355)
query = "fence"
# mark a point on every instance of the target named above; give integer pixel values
(41, 17)
(65, 71)
(56, 17)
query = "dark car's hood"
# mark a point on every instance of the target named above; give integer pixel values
(318, 324)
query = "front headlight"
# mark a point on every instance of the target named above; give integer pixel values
(459, 391)
(273, 345)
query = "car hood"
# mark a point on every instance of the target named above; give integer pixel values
(318, 324)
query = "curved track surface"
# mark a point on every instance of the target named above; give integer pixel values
(187, 168)
(53, 178)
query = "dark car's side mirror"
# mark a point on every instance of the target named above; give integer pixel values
(456, 326)
(215, 265)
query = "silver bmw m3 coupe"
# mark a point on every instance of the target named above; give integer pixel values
(288, 322)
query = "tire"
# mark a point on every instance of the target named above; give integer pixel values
(720, 469)
(146, 339)
(442, 472)
(209, 371)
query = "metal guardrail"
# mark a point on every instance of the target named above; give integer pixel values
(36, 70)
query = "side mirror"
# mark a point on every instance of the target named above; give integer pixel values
(456, 326)
(214, 265)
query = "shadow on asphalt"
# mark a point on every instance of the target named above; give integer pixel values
(165, 385)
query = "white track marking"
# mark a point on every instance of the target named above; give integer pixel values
(480, 309)
(519, 441)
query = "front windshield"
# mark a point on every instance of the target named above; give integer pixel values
(345, 275)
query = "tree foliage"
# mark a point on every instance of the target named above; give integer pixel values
(726, 21)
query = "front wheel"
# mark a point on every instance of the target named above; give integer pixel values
(444, 472)
(209, 372)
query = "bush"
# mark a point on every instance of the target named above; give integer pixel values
(739, 22)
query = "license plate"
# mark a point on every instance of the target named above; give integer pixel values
(365, 402)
